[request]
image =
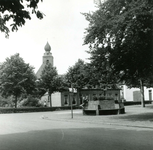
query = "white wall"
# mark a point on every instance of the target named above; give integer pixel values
(128, 93)
(56, 99)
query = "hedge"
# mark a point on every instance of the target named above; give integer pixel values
(127, 103)
(34, 109)
(43, 109)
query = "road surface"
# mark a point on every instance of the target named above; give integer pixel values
(47, 131)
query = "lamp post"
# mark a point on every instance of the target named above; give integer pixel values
(71, 90)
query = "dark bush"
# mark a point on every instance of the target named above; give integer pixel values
(105, 98)
(101, 98)
(30, 101)
(95, 98)
(6, 102)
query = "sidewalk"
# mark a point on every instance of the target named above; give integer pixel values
(135, 116)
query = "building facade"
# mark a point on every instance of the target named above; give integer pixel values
(133, 94)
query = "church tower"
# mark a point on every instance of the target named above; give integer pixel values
(47, 58)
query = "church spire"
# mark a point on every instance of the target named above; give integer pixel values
(47, 58)
(47, 55)
(47, 47)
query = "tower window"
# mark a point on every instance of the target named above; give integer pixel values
(47, 61)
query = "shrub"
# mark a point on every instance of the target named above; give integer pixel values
(6, 102)
(109, 98)
(105, 98)
(30, 101)
(101, 98)
(95, 98)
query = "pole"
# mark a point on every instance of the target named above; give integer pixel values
(72, 103)
(71, 108)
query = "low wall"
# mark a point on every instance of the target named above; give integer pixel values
(104, 112)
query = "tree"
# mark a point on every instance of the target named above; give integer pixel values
(6, 102)
(16, 78)
(50, 80)
(63, 84)
(100, 67)
(39, 89)
(15, 12)
(30, 101)
(125, 29)
(77, 76)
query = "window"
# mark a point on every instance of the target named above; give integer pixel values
(74, 100)
(65, 99)
(116, 96)
(47, 61)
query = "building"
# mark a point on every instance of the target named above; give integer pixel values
(47, 58)
(133, 94)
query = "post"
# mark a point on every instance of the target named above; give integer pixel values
(71, 90)
(72, 107)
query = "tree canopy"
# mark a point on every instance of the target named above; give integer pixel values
(16, 78)
(99, 67)
(14, 13)
(125, 30)
(76, 75)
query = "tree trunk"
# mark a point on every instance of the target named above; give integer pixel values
(80, 97)
(142, 93)
(50, 99)
(16, 100)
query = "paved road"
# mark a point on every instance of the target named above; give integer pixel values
(57, 131)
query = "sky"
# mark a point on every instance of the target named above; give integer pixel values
(63, 27)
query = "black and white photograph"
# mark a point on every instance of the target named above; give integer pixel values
(76, 74)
